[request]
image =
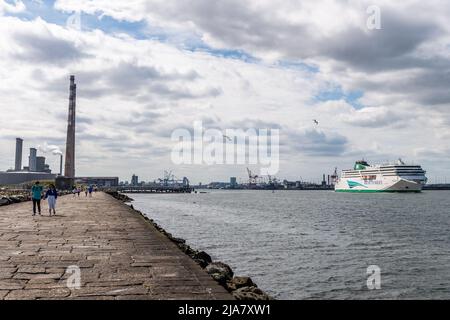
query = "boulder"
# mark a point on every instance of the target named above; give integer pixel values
(4, 201)
(220, 271)
(240, 282)
(14, 199)
(250, 294)
(202, 255)
(186, 249)
(178, 240)
(202, 258)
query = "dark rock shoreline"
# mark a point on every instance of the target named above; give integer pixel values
(242, 288)
(8, 197)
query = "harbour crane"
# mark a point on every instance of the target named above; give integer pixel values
(252, 178)
(171, 180)
(335, 176)
(272, 180)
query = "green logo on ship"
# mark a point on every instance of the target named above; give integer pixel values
(354, 184)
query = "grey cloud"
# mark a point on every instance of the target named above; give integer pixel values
(381, 50)
(85, 135)
(376, 118)
(130, 75)
(132, 81)
(37, 138)
(46, 49)
(427, 86)
(239, 25)
(132, 149)
(254, 124)
(140, 121)
(317, 143)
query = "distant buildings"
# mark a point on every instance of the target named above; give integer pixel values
(134, 180)
(98, 181)
(13, 178)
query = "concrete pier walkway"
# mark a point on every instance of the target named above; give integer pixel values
(118, 253)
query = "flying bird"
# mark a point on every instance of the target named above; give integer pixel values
(316, 122)
(228, 138)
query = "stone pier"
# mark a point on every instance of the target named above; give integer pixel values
(118, 254)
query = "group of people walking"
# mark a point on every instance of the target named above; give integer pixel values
(51, 195)
(87, 190)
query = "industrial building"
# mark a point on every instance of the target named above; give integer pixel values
(98, 181)
(13, 178)
(37, 168)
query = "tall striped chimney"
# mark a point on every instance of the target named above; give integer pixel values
(69, 169)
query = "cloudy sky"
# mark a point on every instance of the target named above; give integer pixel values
(145, 68)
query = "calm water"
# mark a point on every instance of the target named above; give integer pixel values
(318, 245)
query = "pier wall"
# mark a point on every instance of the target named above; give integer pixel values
(241, 287)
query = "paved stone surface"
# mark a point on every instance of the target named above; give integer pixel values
(119, 255)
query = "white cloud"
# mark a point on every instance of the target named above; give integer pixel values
(15, 7)
(374, 117)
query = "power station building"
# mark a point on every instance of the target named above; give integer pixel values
(37, 169)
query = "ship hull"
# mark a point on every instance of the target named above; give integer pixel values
(360, 186)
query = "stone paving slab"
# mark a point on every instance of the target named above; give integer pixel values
(120, 255)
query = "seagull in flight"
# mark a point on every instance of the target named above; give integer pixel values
(228, 138)
(316, 122)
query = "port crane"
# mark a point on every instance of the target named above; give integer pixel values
(252, 178)
(170, 180)
(272, 180)
(335, 176)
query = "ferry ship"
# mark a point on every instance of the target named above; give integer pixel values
(398, 177)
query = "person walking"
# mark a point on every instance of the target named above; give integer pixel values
(51, 196)
(36, 196)
(91, 189)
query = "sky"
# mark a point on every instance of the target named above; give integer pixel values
(147, 68)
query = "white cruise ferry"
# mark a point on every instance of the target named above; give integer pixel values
(382, 178)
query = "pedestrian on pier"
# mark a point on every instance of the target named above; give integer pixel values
(36, 196)
(91, 189)
(51, 196)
